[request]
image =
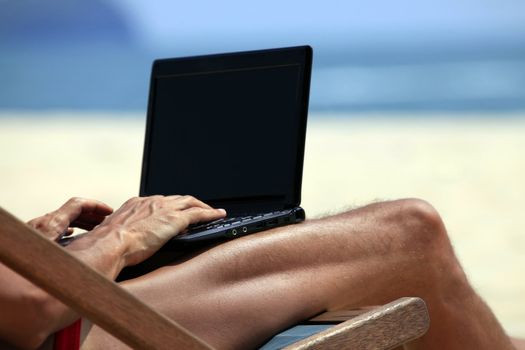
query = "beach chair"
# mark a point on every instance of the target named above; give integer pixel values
(118, 312)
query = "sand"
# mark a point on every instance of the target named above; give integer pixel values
(471, 169)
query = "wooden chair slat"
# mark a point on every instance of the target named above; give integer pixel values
(385, 327)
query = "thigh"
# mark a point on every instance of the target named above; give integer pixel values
(237, 294)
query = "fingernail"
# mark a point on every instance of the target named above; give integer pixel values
(222, 210)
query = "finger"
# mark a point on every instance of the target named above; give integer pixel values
(77, 204)
(195, 214)
(76, 207)
(102, 209)
(186, 202)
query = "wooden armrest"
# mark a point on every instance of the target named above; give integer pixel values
(86, 291)
(384, 327)
(338, 316)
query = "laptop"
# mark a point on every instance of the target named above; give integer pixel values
(229, 129)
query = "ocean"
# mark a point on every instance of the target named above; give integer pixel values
(117, 79)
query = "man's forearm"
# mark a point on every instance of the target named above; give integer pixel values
(102, 249)
(30, 314)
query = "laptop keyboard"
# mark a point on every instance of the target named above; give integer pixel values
(232, 221)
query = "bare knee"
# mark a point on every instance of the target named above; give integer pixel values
(423, 235)
(413, 230)
(419, 224)
(411, 223)
(401, 227)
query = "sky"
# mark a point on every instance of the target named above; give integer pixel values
(332, 22)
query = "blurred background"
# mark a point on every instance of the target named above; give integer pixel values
(378, 55)
(409, 99)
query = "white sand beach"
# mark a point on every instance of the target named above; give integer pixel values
(471, 169)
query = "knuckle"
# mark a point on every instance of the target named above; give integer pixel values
(156, 200)
(196, 210)
(202, 213)
(191, 200)
(60, 219)
(153, 203)
(75, 200)
(132, 200)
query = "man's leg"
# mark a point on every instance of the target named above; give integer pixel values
(241, 292)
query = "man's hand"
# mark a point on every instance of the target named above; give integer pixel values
(144, 224)
(76, 212)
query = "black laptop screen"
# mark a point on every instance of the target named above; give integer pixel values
(226, 135)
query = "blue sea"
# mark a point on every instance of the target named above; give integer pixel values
(117, 79)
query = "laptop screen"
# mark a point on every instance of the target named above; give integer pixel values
(227, 131)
